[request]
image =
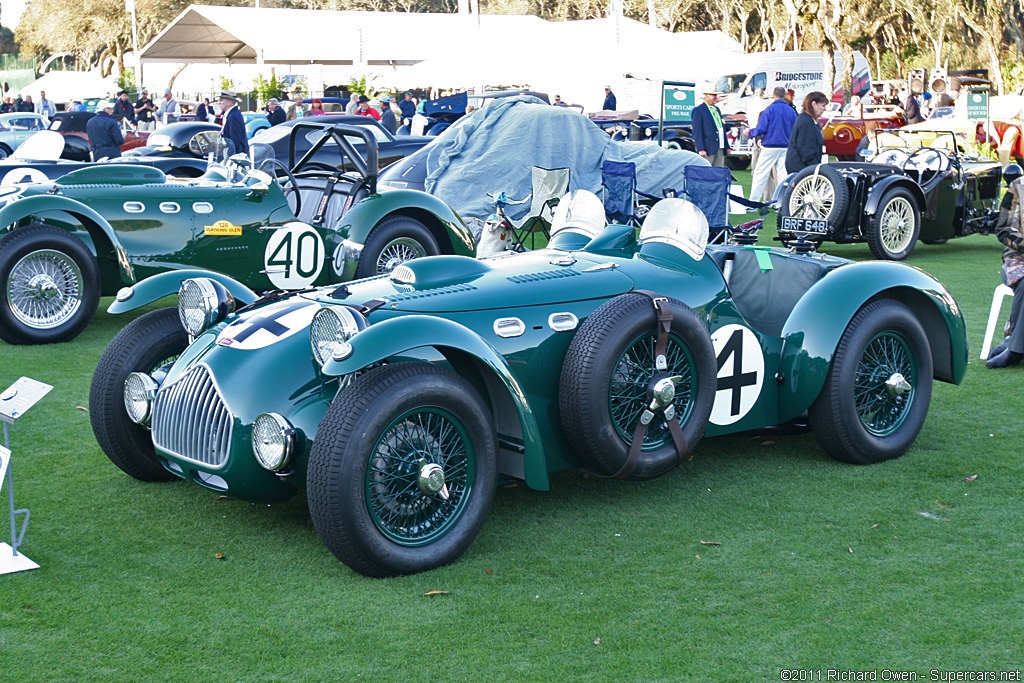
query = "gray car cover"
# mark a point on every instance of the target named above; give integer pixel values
(494, 149)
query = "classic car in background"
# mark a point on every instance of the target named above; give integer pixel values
(916, 185)
(177, 140)
(15, 128)
(39, 159)
(843, 133)
(255, 121)
(636, 127)
(76, 140)
(97, 229)
(390, 148)
(398, 402)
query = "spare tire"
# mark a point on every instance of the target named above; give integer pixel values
(817, 191)
(606, 379)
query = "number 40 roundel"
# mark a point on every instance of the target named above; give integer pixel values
(740, 373)
(294, 256)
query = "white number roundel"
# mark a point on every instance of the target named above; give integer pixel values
(740, 373)
(294, 256)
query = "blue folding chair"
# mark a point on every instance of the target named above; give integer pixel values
(621, 198)
(708, 188)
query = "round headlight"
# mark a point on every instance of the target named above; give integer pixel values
(331, 328)
(273, 441)
(203, 302)
(139, 394)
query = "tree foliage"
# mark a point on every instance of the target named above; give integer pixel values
(895, 35)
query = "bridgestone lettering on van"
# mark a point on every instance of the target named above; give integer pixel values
(794, 76)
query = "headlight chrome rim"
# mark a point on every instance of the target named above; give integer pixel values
(202, 303)
(273, 441)
(139, 394)
(331, 330)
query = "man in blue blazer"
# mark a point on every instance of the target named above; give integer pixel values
(233, 130)
(708, 129)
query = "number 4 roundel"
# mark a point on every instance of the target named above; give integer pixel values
(740, 373)
(294, 256)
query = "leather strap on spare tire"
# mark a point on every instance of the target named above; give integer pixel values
(663, 313)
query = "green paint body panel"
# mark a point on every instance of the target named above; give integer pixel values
(157, 287)
(138, 223)
(447, 311)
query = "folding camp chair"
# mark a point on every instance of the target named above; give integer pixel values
(708, 188)
(548, 184)
(618, 180)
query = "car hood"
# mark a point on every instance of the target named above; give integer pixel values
(442, 284)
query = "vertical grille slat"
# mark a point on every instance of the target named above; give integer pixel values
(191, 421)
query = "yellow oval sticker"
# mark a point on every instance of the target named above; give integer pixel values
(224, 228)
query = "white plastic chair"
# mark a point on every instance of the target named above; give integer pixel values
(1001, 292)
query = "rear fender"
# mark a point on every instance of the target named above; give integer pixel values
(457, 344)
(104, 239)
(879, 188)
(814, 328)
(165, 284)
(451, 233)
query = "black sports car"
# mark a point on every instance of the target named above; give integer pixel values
(915, 185)
(390, 148)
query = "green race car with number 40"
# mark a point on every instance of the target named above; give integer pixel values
(397, 402)
(266, 224)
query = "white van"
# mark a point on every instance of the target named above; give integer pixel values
(801, 71)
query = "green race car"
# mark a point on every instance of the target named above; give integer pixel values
(398, 401)
(263, 223)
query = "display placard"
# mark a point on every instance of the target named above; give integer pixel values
(977, 104)
(16, 399)
(678, 101)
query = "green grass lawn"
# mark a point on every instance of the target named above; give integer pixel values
(816, 564)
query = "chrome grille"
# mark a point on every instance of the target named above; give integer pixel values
(190, 420)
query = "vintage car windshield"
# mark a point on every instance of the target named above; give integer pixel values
(910, 141)
(730, 84)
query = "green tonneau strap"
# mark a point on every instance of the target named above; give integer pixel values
(764, 258)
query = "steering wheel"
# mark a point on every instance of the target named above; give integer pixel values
(926, 159)
(290, 185)
(894, 156)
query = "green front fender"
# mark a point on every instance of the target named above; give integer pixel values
(394, 336)
(164, 284)
(97, 226)
(447, 227)
(814, 328)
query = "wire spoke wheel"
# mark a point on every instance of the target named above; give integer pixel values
(45, 289)
(400, 505)
(632, 374)
(881, 401)
(397, 252)
(813, 197)
(897, 224)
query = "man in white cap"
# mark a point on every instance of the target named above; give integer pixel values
(708, 130)
(167, 112)
(233, 130)
(104, 132)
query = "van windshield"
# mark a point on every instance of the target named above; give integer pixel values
(729, 84)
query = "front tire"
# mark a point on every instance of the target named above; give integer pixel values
(369, 495)
(392, 242)
(605, 383)
(895, 226)
(49, 285)
(864, 413)
(147, 344)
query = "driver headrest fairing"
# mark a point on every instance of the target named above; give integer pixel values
(677, 222)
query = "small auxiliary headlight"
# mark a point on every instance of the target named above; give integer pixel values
(273, 441)
(139, 394)
(202, 303)
(332, 328)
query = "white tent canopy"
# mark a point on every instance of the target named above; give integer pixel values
(65, 86)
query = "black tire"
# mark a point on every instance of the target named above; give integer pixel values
(394, 241)
(888, 235)
(942, 240)
(5, 151)
(605, 379)
(737, 163)
(857, 418)
(146, 344)
(818, 191)
(49, 285)
(366, 461)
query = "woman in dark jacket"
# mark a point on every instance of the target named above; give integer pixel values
(806, 140)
